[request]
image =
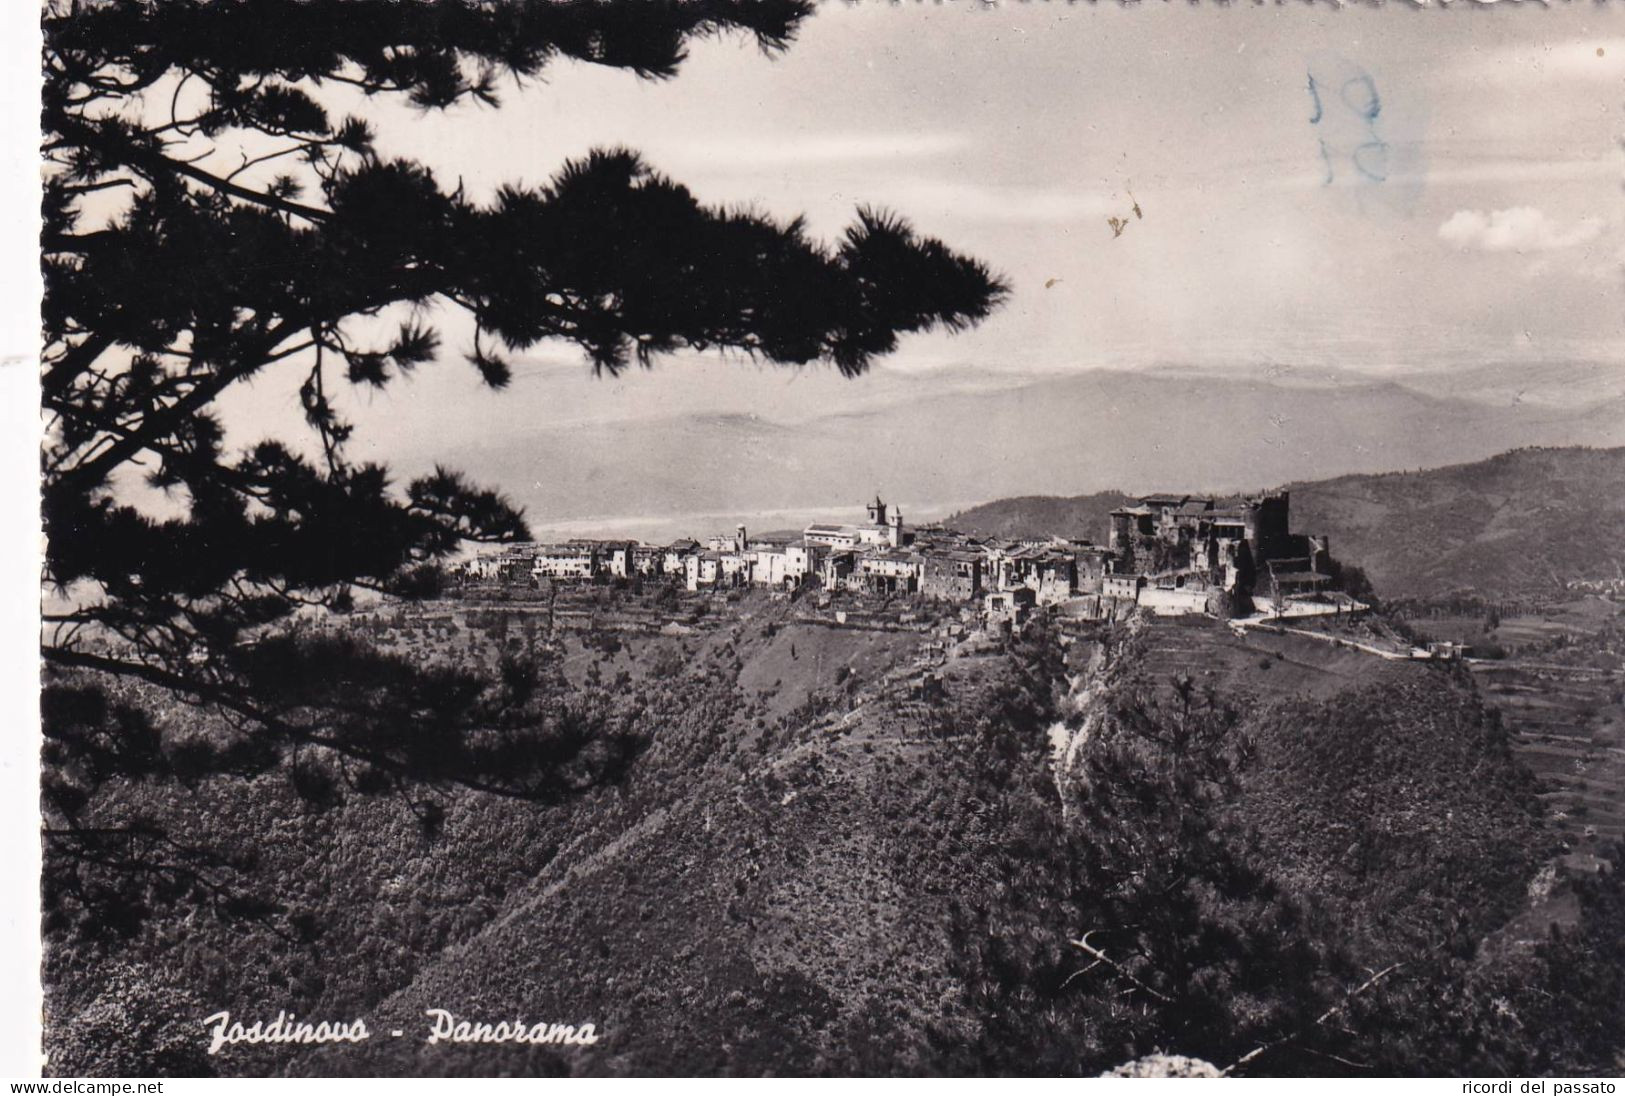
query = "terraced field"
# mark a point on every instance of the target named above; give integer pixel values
(1568, 721)
(1570, 731)
(1560, 689)
(1260, 663)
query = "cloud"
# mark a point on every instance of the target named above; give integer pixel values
(1520, 229)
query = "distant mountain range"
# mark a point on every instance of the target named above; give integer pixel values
(1523, 522)
(936, 441)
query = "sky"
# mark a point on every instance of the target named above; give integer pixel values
(1426, 202)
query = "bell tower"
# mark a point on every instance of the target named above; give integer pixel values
(877, 512)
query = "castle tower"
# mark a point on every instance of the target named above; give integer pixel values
(739, 536)
(895, 524)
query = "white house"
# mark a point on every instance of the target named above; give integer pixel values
(575, 560)
(800, 561)
(769, 565)
(702, 569)
(622, 558)
(891, 572)
(1125, 586)
(832, 536)
(673, 559)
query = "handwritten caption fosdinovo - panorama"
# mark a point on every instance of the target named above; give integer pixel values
(444, 1027)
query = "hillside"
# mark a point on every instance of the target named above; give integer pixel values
(808, 871)
(1521, 523)
(1082, 517)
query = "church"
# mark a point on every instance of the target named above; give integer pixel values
(884, 530)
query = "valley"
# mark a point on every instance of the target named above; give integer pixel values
(845, 843)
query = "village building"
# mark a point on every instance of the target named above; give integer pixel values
(800, 561)
(733, 568)
(769, 565)
(1286, 579)
(1008, 608)
(576, 559)
(1228, 545)
(884, 530)
(723, 542)
(1046, 569)
(885, 526)
(1124, 586)
(951, 574)
(835, 567)
(646, 560)
(1443, 650)
(673, 557)
(780, 561)
(507, 565)
(703, 568)
(1178, 593)
(1091, 563)
(620, 558)
(890, 572)
(841, 537)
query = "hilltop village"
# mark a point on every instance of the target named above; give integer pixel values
(1165, 554)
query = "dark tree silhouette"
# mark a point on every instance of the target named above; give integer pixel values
(207, 220)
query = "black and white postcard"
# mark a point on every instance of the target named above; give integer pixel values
(761, 538)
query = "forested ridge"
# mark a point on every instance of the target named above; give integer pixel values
(1524, 522)
(896, 887)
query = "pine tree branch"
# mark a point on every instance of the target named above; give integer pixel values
(87, 476)
(78, 359)
(1321, 1019)
(270, 201)
(1101, 956)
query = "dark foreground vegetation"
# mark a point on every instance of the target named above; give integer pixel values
(211, 221)
(797, 865)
